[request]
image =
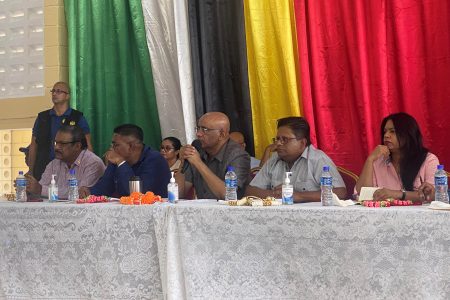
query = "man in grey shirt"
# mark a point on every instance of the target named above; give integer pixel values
(295, 154)
(208, 165)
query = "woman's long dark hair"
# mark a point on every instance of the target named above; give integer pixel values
(411, 146)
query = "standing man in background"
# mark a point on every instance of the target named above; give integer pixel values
(47, 123)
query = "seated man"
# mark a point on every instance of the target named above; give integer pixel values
(128, 157)
(207, 168)
(239, 138)
(295, 154)
(70, 153)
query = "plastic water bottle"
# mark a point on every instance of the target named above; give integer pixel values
(230, 184)
(21, 188)
(73, 186)
(287, 190)
(172, 190)
(440, 185)
(326, 187)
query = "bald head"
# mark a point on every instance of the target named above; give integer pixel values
(238, 138)
(220, 120)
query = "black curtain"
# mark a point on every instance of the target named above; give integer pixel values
(219, 61)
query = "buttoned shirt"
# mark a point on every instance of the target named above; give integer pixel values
(88, 169)
(306, 172)
(231, 154)
(152, 169)
(385, 176)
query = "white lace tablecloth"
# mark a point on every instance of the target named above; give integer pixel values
(308, 252)
(70, 251)
(203, 250)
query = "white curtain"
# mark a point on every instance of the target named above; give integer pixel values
(167, 29)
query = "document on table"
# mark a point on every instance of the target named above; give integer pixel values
(367, 193)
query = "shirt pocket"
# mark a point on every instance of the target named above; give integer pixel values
(309, 185)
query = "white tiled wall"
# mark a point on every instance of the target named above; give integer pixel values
(11, 159)
(21, 48)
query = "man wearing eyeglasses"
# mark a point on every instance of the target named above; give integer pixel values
(129, 157)
(70, 153)
(47, 123)
(294, 153)
(208, 165)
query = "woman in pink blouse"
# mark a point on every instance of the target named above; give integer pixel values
(401, 164)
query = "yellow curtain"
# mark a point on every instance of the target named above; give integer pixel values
(272, 66)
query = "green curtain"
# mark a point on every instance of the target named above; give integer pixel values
(109, 68)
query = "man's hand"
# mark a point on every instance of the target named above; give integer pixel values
(83, 192)
(191, 154)
(33, 185)
(113, 157)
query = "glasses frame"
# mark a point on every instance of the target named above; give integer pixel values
(166, 149)
(283, 140)
(204, 129)
(58, 92)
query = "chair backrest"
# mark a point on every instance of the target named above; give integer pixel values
(254, 171)
(350, 180)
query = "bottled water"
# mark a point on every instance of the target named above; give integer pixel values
(230, 184)
(326, 187)
(287, 190)
(21, 188)
(440, 185)
(73, 186)
(172, 190)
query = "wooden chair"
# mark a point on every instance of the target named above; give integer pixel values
(350, 180)
(254, 171)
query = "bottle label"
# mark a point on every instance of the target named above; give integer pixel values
(288, 195)
(53, 194)
(21, 182)
(326, 181)
(230, 183)
(172, 194)
(73, 182)
(440, 180)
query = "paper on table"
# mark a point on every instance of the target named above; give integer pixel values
(439, 205)
(367, 193)
(339, 202)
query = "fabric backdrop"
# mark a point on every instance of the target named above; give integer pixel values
(109, 68)
(362, 60)
(167, 31)
(272, 66)
(219, 62)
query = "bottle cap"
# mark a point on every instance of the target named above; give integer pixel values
(326, 168)
(20, 172)
(72, 172)
(440, 167)
(230, 168)
(172, 180)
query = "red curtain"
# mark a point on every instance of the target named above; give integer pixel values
(361, 60)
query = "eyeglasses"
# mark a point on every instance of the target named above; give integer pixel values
(58, 91)
(166, 148)
(204, 129)
(283, 140)
(62, 144)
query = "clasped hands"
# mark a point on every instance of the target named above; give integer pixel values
(189, 153)
(424, 192)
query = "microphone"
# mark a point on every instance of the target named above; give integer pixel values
(198, 146)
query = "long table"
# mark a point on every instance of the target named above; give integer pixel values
(204, 250)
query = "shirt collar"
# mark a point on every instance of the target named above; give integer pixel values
(65, 114)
